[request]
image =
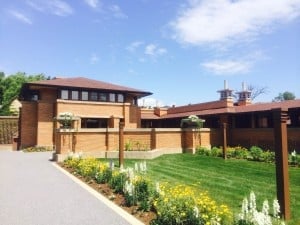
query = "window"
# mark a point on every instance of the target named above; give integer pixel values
(103, 97)
(120, 98)
(112, 97)
(94, 96)
(94, 123)
(64, 94)
(74, 95)
(84, 96)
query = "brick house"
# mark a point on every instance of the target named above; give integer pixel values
(248, 124)
(93, 103)
(98, 107)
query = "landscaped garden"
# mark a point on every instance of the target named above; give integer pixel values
(193, 189)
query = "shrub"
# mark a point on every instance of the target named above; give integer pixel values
(103, 173)
(202, 151)
(216, 152)
(268, 156)
(118, 181)
(256, 153)
(38, 149)
(144, 191)
(241, 152)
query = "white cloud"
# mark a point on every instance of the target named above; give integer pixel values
(117, 12)
(56, 7)
(92, 3)
(218, 21)
(94, 59)
(60, 8)
(134, 45)
(154, 50)
(20, 16)
(227, 67)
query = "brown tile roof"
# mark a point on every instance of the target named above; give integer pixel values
(258, 107)
(85, 83)
(268, 106)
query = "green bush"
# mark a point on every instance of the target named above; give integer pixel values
(144, 193)
(256, 153)
(237, 152)
(268, 156)
(202, 150)
(103, 174)
(216, 152)
(118, 181)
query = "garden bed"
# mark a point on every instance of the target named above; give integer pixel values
(118, 199)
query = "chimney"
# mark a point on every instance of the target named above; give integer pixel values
(244, 96)
(226, 94)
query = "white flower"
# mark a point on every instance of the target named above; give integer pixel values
(196, 211)
(157, 188)
(276, 208)
(136, 167)
(265, 208)
(129, 188)
(130, 173)
(143, 167)
(294, 153)
(252, 202)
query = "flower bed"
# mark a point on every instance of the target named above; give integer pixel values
(159, 204)
(164, 203)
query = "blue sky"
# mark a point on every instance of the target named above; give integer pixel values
(181, 50)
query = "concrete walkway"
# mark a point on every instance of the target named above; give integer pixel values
(34, 192)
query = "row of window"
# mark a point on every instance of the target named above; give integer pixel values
(91, 96)
(94, 123)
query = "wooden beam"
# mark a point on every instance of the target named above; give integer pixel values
(280, 118)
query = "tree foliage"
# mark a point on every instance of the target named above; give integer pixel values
(284, 96)
(10, 87)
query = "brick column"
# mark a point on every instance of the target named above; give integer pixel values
(280, 117)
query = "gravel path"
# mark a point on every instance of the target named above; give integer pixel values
(34, 192)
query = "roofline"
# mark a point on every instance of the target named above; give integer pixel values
(137, 92)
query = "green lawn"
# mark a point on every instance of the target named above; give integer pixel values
(227, 181)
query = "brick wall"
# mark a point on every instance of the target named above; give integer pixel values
(102, 109)
(28, 124)
(102, 140)
(8, 128)
(45, 116)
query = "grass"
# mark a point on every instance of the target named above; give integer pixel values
(227, 181)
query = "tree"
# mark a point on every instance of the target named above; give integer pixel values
(284, 96)
(10, 88)
(257, 91)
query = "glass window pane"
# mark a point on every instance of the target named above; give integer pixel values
(112, 97)
(120, 98)
(75, 95)
(64, 94)
(94, 96)
(84, 96)
(103, 97)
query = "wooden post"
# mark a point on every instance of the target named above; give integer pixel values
(224, 140)
(280, 117)
(121, 143)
